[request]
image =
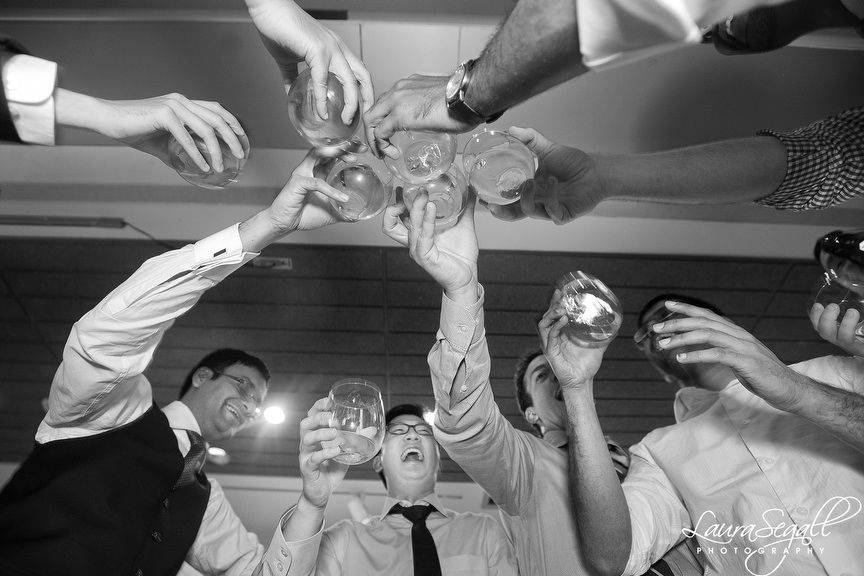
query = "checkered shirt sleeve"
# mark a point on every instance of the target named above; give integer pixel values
(824, 163)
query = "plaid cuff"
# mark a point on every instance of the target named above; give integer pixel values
(824, 163)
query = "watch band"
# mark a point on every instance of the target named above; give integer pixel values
(461, 108)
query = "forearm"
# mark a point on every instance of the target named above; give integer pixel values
(599, 507)
(304, 522)
(727, 172)
(536, 48)
(261, 230)
(839, 412)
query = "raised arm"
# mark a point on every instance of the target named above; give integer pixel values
(99, 384)
(837, 407)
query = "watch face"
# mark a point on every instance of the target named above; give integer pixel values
(454, 83)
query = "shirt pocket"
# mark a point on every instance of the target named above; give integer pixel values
(464, 564)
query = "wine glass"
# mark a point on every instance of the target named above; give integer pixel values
(358, 415)
(449, 193)
(366, 181)
(845, 292)
(498, 166)
(186, 167)
(423, 155)
(593, 310)
(303, 113)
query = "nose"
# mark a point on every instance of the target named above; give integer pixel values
(412, 434)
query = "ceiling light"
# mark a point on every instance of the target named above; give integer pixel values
(274, 415)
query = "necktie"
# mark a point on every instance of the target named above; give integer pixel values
(422, 545)
(193, 462)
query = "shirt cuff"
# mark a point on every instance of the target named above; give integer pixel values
(462, 325)
(619, 31)
(222, 248)
(282, 555)
(29, 84)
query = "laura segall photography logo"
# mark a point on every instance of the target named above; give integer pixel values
(767, 545)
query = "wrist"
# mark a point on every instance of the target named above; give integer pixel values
(464, 295)
(78, 110)
(607, 167)
(309, 508)
(261, 230)
(577, 389)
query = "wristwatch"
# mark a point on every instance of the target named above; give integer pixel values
(454, 93)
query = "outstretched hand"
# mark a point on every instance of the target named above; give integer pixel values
(292, 35)
(574, 366)
(723, 342)
(843, 334)
(320, 473)
(450, 256)
(565, 187)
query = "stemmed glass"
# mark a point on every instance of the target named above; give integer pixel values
(358, 415)
(366, 181)
(423, 155)
(303, 114)
(594, 311)
(186, 167)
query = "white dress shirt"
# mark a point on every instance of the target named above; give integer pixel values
(100, 383)
(29, 84)
(735, 460)
(467, 544)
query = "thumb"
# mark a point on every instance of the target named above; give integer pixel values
(534, 140)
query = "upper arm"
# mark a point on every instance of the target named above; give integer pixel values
(223, 545)
(500, 551)
(657, 514)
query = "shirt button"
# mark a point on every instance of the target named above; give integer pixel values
(166, 503)
(801, 510)
(279, 567)
(463, 388)
(157, 536)
(284, 552)
(745, 422)
(139, 572)
(463, 328)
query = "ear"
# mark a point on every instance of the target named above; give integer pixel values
(531, 415)
(377, 466)
(201, 376)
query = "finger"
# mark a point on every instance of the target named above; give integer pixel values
(425, 242)
(703, 336)
(846, 331)
(385, 129)
(221, 126)
(203, 130)
(367, 88)
(350, 92)
(679, 325)
(696, 311)
(177, 129)
(392, 225)
(232, 121)
(507, 212)
(710, 355)
(827, 327)
(318, 185)
(529, 206)
(318, 69)
(555, 332)
(816, 313)
(313, 438)
(317, 458)
(418, 211)
(533, 139)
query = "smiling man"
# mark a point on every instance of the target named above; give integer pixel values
(114, 484)
(414, 534)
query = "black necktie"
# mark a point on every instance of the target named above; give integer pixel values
(193, 462)
(425, 554)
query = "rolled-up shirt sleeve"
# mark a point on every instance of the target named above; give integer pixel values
(824, 163)
(300, 558)
(657, 515)
(28, 83)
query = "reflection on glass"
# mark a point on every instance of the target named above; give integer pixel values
(498, 166)
(366, 181)
(594, 311)
(303, 113)
(189, 170)
(449, 193)
(358, 415)
(422, 155)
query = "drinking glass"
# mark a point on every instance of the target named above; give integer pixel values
(423, 155)
(593, 310)
(366, 181)
(186, 167)
(449, 193)
(303, 113)
(844, 292)
(358, 415)
(498, 166)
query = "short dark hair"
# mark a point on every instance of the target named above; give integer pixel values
(692, 300)
(221, 359)
(395, 412)
(523, 398)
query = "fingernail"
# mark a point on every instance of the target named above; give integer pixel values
(681, 356)
(663, 342)
(671, 303)
(658, 326)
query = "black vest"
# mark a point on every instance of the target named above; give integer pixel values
(102, 505)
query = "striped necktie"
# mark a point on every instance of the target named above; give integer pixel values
(193, 462)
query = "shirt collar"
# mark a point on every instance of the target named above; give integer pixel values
(692, 401)
(431, 499)
(180, 417)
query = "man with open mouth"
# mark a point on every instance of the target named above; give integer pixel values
(414, 533)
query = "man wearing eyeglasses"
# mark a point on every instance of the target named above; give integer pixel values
(414, 534)
(115, 485)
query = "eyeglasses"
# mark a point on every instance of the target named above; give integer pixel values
(246, 389)
(400, 429)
